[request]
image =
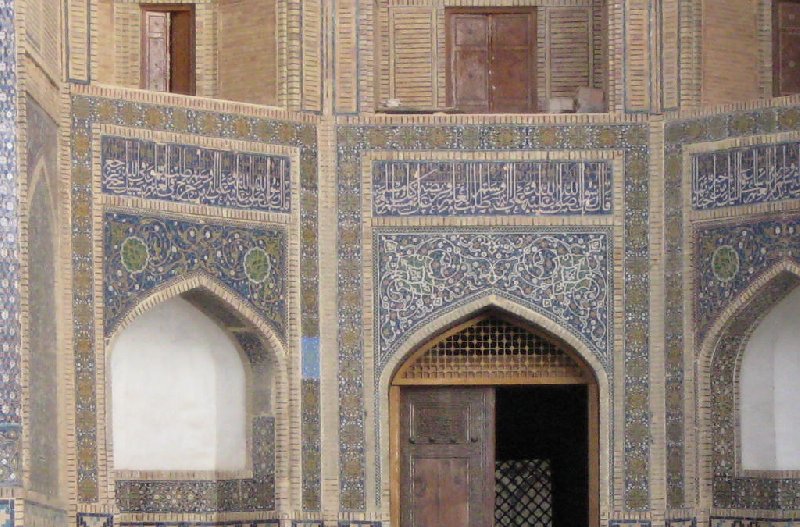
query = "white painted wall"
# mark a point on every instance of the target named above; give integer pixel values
(770, 390)
(177, 393)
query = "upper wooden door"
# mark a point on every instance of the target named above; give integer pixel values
(447, 457)
(491, 60)
(786, 53)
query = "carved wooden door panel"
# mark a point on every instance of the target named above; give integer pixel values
(469, 64)
(447, 457)
(787, 48)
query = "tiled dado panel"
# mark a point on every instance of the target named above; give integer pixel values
(355, 141)
(10, 387)
(729, 257)
(704, 181)
(93, 110)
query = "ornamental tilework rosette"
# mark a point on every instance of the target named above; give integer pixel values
(563, 273)
(354, 141)
(86, 112)
(11, 395)
(719, 179)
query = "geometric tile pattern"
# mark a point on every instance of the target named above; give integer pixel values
(145, 252)
(629, 523)
(463, 188)
(354, 141)
(94, 520)
(730, 256)
(745, 176)
(88, 111)
(677, 135)
(191, 174)
(203, 496)
(565, 274)
(10, 387)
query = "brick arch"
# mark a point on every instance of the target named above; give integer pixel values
(238, 318)
(503, 306)
(721, 352)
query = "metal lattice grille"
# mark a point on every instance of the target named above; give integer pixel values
(492, 349)
(523, 493)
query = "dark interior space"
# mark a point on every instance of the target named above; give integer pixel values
(549, 423)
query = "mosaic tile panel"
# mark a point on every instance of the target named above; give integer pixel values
(254, 494)
(6, 513)
(463, 188)
(678, 134)
(354, 141)
(730, 256)
(10, 388)
(683, 522)
(565, 274)
(86, 112)
(144, 252)
(192, 174)
(746, 176)
(312, 444)
(38, 515)
(94, 520)
(751, 522)
(242, 523)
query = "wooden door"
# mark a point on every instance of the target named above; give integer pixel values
(786, 53)
(447, 457)
(491, 61)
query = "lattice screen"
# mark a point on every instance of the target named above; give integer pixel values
(491, 349)
(523, 493)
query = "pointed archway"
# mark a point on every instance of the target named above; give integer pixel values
(445, 401)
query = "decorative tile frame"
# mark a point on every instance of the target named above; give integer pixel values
(10, 359)
(93, 107)
(685, 137)
(355, 140)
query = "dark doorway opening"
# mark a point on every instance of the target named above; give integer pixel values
(541, 458)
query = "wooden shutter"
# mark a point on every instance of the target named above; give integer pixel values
(413, 58)
(156, 53)
(570, 50)
(447, 453)
(787, 47)
(512, 72)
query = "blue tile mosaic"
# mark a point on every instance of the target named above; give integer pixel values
(730, 256)
(145, 252)
(746, 175)
(192, 174)
(310, 353)
(10, 389)
(462, 188)
(564, 273)
(6, 513)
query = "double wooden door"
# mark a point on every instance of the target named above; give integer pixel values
(491, 60)
(447, 451)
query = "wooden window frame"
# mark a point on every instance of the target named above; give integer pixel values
(449, 11)
(170, 8)
(588, 379)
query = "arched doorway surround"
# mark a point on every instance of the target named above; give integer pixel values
(421, 362)
(719, 417)
(258, 345)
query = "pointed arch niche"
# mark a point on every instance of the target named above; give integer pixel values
(192, 380)
(492, 358)
(749, 394)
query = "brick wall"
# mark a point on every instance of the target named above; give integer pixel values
(247, 51)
